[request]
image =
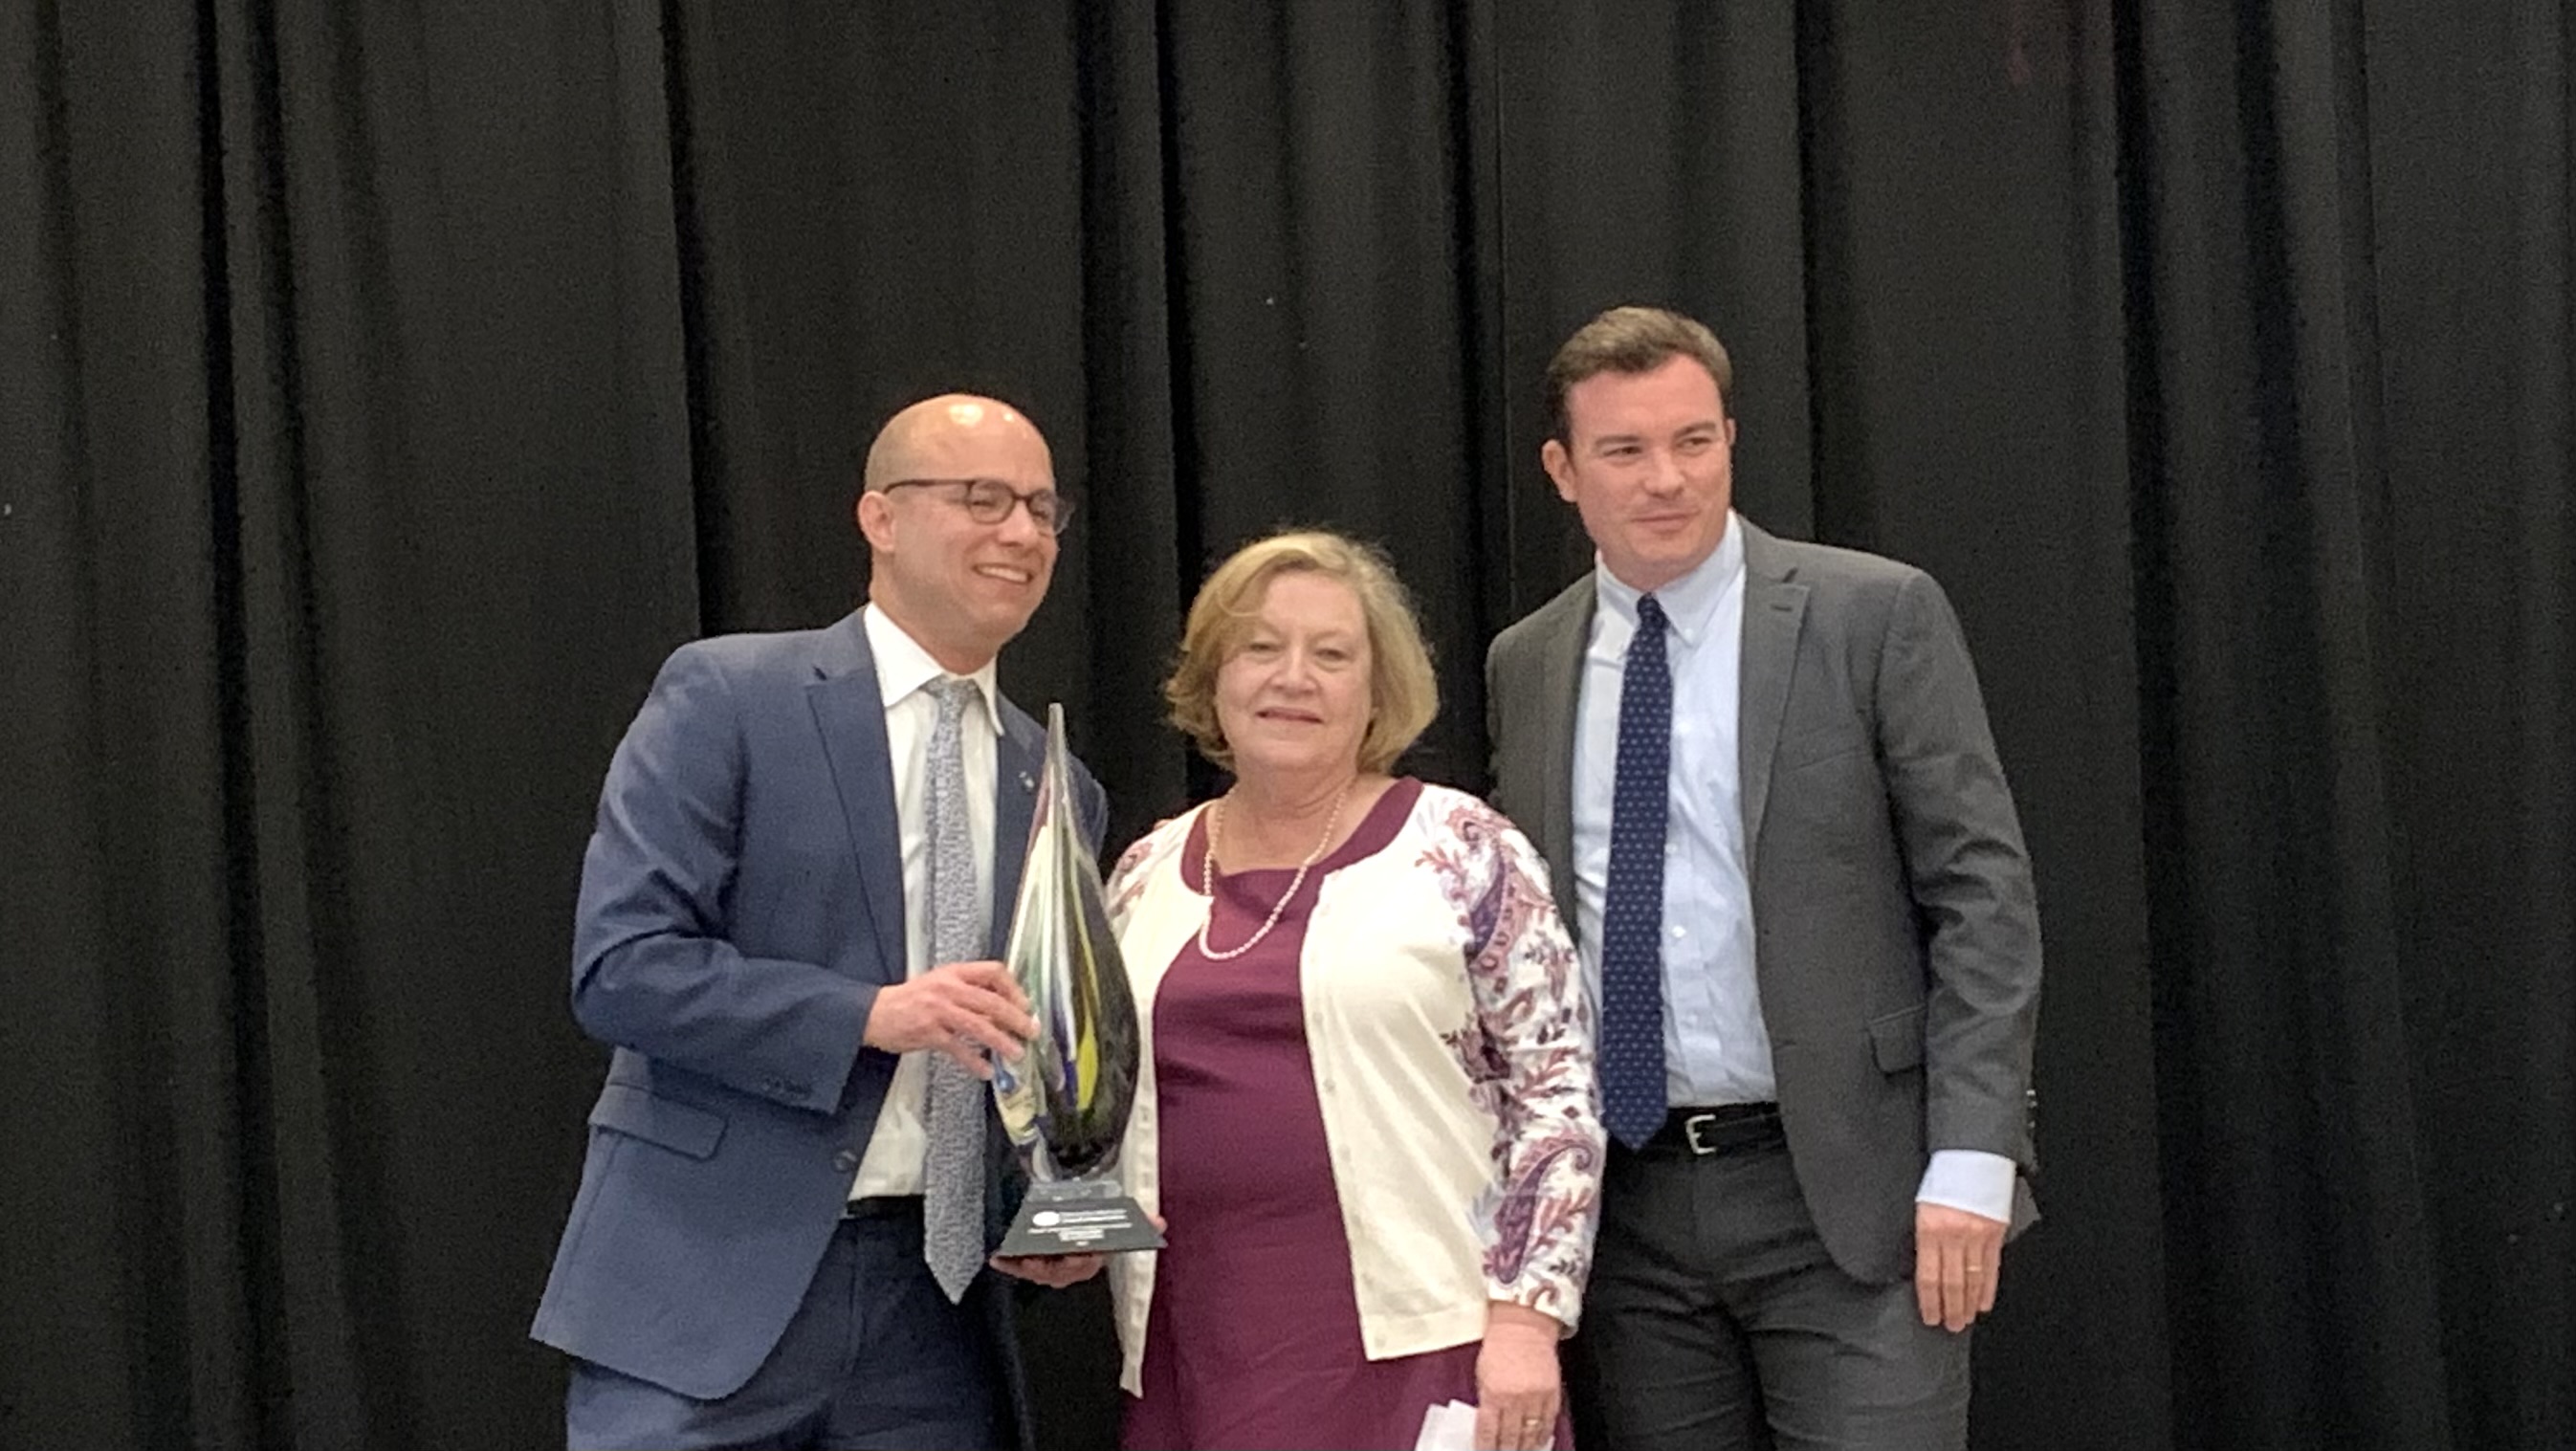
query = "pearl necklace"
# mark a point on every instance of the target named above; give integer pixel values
(1207, 878)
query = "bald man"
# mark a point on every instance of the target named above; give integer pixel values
(801, 874)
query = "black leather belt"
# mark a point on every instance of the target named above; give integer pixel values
(1702, 1131)
(887, 1206)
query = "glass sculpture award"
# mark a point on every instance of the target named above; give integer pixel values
(1065, 1102)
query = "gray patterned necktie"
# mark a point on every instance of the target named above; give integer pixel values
(952, 1208)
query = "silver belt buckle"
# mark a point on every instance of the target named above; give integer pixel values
(1690, 1132)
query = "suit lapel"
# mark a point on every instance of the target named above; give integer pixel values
(849, 712)
(1018, 757)
(1560, 679)
(1775, 606)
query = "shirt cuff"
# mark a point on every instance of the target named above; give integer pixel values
(1971, 1180)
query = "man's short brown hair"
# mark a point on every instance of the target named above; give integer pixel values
(1633, 340)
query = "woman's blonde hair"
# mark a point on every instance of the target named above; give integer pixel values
(1404, 695)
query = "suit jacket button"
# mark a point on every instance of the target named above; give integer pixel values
(847, 1161)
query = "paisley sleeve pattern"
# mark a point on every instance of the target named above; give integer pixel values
(1528, 1050)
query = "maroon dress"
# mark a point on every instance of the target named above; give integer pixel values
(1253, 1338)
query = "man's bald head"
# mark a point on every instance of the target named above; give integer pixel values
(960, 583)
(931, 439)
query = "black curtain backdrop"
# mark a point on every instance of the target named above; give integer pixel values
(385, 388)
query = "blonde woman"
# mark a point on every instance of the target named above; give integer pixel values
(1367, 1107)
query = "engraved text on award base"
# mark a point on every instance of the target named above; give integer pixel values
(1079, 1216)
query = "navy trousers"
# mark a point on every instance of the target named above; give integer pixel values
(875, 1357)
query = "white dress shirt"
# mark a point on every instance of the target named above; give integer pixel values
(893, 1161)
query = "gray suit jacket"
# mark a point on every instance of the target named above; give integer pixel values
(1896, 938)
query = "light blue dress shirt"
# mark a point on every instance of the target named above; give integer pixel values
(1716, 1048)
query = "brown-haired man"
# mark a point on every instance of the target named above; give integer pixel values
(1762, 775)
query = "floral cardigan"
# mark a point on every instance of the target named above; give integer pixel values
(1451, 1029)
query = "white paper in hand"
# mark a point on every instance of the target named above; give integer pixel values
(1448, 1427)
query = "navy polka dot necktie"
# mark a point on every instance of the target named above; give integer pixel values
(1632, 917)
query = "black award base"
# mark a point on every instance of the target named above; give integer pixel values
(1079, 1216)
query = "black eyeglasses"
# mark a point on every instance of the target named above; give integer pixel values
(990, 501)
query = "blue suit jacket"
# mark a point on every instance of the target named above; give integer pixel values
(741, 905)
